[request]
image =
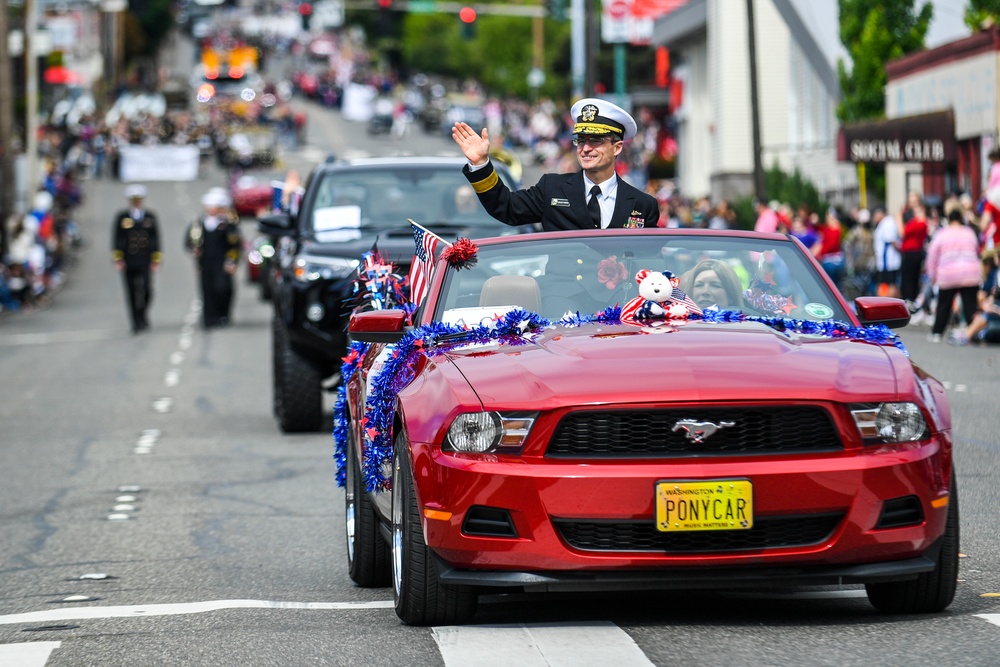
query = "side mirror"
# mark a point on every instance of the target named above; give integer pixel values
(279, 224)
(378, 326)
(882, 310)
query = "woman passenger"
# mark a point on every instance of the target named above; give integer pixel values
(713, 282)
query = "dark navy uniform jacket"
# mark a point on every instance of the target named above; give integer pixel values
(137, 242)
(559, 202)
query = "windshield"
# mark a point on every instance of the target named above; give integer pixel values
(588, 275)
(436, 196)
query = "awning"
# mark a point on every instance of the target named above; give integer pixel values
(928, 137)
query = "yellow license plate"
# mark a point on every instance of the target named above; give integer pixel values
(718, 504)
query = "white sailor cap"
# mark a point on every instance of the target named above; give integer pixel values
(596, 116)
(216, 197)
(135, 191)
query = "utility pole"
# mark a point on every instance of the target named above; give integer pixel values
(578, 46)
(31, 100)
(593, 46)
(758, 169)
(8, 187)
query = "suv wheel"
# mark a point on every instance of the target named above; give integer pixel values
(420, 597)
(298, 394)
(931, 591)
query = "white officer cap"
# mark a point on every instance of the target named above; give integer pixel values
(42, 201)
(596, 116)
(216, 197)
(135, 191)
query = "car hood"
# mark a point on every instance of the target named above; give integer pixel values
(696, 361)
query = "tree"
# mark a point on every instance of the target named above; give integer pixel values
(792, 189)
(980, 14)
(496, 55)
(874, 33)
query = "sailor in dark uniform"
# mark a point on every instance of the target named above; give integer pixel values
(214, 241)
(135, 249)
(594, 198)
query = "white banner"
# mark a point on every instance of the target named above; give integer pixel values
(158, 163)
(620, 25)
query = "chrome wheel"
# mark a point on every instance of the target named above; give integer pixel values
(398, 510)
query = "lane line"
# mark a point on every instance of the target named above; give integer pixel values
(991, 618)
(173, 609)
(27, 654)
(539, 645)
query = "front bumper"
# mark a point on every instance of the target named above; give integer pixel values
(690, 579)
(540, 494)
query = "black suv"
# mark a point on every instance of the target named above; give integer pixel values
(347, 207)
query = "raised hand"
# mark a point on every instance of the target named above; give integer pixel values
(475, 147)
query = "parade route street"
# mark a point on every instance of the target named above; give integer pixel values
(153, 514)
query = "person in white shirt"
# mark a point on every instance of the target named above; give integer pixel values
(888, 259)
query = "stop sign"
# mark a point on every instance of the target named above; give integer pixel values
(618, 9)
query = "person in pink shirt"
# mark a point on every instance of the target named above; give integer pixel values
(953, 265)
(767, 218)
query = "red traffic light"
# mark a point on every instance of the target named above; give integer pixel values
(385, 4)
(305, 9)
(467, 14)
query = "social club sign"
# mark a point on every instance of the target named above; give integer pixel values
(924, 138)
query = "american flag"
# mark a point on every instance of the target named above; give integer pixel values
(425, 244)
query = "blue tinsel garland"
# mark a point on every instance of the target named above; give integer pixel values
(351, 363)
(397, 372)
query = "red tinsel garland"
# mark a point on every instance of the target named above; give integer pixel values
(462, 254)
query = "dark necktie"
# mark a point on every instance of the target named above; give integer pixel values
(594, 206)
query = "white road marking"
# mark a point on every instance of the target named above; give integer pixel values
(177, 608)
(27, 654)
(992, 618)
(538, 645)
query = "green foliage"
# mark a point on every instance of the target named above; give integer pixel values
(874, 33)
(499, 53)
(150, 22)
(790, 189)
(982, 13)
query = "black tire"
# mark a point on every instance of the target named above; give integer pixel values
(266, 291)
(277, 331)
(367, 551)
(420, 597)
(298, 392)
(932, 591)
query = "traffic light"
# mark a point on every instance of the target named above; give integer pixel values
(385, 17)
(305, 11)
(556, 9)
(467, 15)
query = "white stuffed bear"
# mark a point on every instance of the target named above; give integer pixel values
(660, 297)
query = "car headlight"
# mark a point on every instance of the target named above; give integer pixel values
(312, 267)
(889, 422)
(481, 432)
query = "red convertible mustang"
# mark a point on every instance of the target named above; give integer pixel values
(641, 409)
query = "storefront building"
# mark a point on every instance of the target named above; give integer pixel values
(942, 121)
(797, 95)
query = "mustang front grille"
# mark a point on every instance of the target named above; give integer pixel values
(767, 533)
(693, 432)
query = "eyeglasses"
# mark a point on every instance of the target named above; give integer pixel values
(595, 142)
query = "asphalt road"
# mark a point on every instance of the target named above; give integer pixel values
(147, 475)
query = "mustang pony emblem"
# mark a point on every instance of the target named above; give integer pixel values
(698, 431)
